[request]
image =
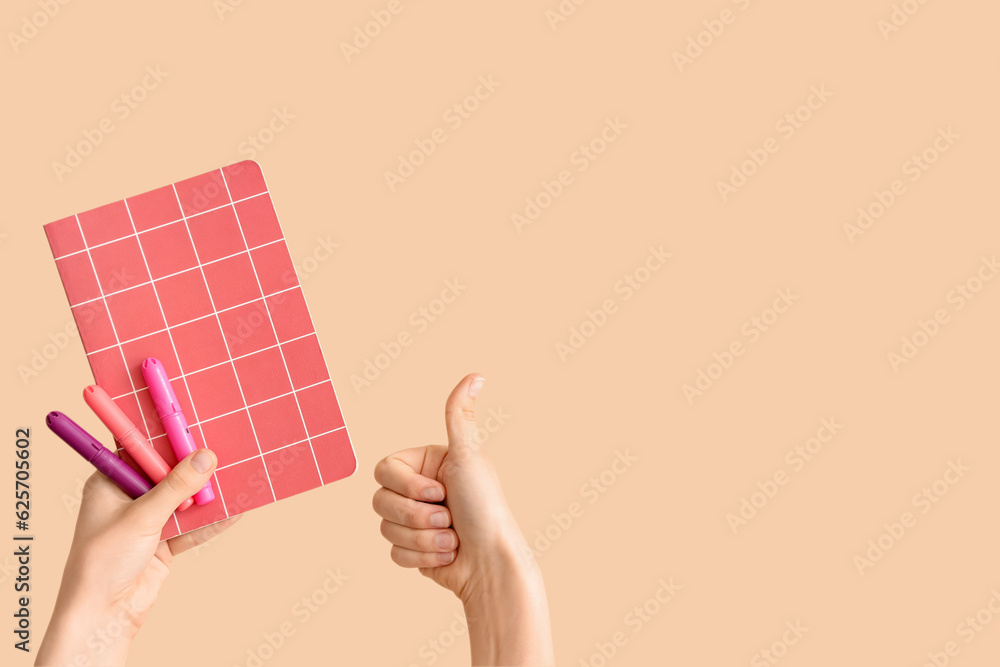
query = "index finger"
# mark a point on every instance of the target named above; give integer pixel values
(399, 473)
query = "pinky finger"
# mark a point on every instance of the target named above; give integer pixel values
(410, 558)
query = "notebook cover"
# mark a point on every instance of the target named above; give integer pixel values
(198, 275)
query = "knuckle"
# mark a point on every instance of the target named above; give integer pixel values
(380, 470)
(90, 488)
(384, 528)
(459, 459)
(92, 483)
(175, 484)
(409, 513)
(415, 488)
(380, 503)
(423, 540)
(396, 554)
(463, 412)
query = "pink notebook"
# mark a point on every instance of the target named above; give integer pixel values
(197, 274)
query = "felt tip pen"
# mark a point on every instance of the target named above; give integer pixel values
(97, 455)
(174, 423)
(125, 432)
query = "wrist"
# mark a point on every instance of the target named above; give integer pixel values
(507, 610)
(79, 633)
(505, 574)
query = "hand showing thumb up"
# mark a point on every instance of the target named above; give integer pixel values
(444, 512)
(442, 507)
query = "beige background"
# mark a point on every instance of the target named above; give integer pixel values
(656, 185)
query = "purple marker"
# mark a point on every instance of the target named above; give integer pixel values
(98, 455)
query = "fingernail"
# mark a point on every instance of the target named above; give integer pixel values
(202, 460)
(476, 385)
(439, 519)
(434, 494)
(446, 558)
(444, 541)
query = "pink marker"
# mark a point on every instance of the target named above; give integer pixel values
(174, 423)
(125, 432)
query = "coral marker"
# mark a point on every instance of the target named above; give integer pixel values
(125, 432)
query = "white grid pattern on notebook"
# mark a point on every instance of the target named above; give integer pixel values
(165, 224)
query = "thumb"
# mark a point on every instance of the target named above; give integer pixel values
(460, 413)
(185, 480)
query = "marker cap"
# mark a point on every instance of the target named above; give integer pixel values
(160, 390)
(99, 401)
